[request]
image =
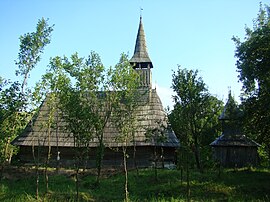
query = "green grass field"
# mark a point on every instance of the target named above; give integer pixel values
(231, 185)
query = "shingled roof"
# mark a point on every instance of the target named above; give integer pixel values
(231, 127)
(237, 140)
(141, 58)
(149, 115)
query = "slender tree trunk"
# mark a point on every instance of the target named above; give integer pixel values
(134, 160)
(134, 154)
(219, 170)
(100, 158)
(37, 182)
(36, 160)
(4, 160)
(155, 161)
(77, 182)
(197, 155)
(188, 180)
(77, 164)
(134, 157)
(268, 153)
(2, 171)
(10, 156)
(6, 149)
(180, 163)
(24, 81)
(162, 157)
(126, 172)
(47, 161)
(46, 175)
(181, 174)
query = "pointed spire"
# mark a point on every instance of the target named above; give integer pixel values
(231, 109)
(141, 59)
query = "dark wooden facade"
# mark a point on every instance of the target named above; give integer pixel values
(237, 152)
(113, 157)
(233, 148)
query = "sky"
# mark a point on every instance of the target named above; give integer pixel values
(194, 34)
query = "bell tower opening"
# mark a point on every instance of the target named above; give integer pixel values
(140, 60)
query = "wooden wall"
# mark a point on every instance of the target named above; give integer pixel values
(236, 156)
(113, 157)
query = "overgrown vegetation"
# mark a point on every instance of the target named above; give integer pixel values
(194, 119)
(232, 185)
(253, 60)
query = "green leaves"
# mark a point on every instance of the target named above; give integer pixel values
(195, 115)
(125, 85)
(253, 62)
(31, 47)
(124, 78)
(188, 86)
(14, 99)
(253, 55)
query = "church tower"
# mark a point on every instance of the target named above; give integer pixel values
(140, 59)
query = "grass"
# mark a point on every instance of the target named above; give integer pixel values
(231, 185)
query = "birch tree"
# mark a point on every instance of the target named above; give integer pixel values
(125, 83)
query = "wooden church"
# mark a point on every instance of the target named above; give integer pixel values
(61, 142)
(232, 148)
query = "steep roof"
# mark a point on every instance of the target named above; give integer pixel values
(231, 111)
(236, 140)
(231, 127)
(148, 114)
(140, 57)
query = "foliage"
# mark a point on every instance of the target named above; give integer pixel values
(90, 90)
(50, 85)
(253, 61)
(80, 116)
(14, 112)
(232, 117)
(264, 159)
(97, 95)
(12, 118)
(125, 84)
(157, 135)
(86, 96)
(31, 47)
(195, 115)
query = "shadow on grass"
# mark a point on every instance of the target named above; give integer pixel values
(233, 185)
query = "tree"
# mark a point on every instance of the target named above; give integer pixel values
(125, 84)
(157, 135)
(12, 119)
(93, 88)
(14, 110)
(81, 88)
(253, 62)
(75, 106)
(195, 112)
(31, 47)
(48, 88)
